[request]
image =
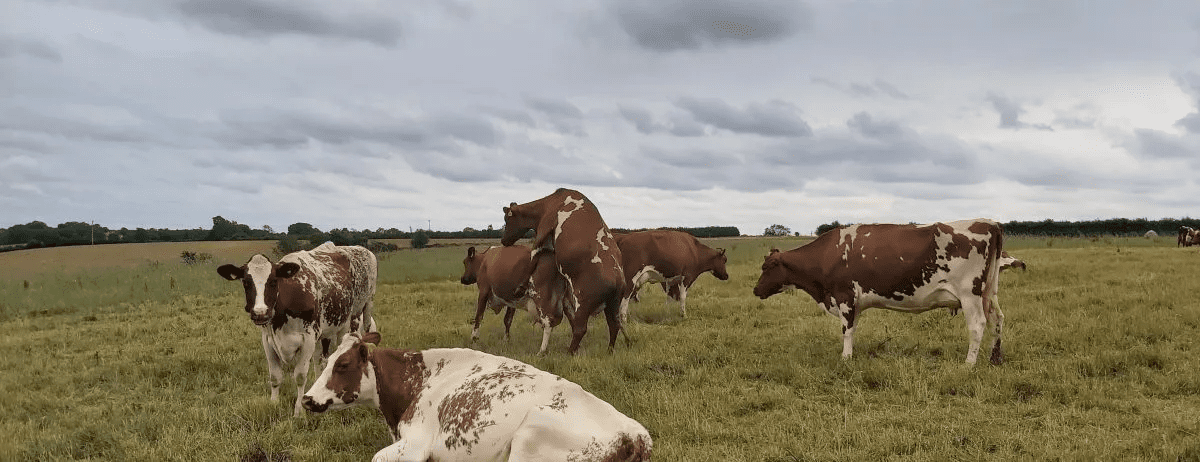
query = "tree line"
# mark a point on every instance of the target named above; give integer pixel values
(1108, 227)
(298, 236)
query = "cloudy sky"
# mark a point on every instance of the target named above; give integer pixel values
(368, 113)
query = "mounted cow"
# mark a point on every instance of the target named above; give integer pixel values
(307, 296)
(466, 405)
(1007, 261)
(569, 225)
(909, 268)
(673, 259)
(506, 277)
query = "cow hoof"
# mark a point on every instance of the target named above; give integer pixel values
(997, 358)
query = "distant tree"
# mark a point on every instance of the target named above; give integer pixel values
(222, 229)
(301, 229)
(490, 228)
(268, 229)
(141, 235)
(777, 230)
(287, 244)
(420, 239)
(468, 230)
(826, 227)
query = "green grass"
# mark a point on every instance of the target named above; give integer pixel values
(1100, 364)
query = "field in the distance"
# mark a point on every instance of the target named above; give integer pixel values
(159, 361)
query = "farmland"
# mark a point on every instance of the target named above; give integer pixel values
(121, 355)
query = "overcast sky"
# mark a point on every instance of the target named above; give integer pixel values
(368, 114)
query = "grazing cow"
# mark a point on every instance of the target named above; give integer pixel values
(1185, 234)
(673, 259)
(308, 295)
(587, 256)
(1008, 261)
(466, 405)
(506, 277)
(910, 268)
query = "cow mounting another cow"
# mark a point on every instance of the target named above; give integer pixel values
(465, 405)
(307, 296)
(910, 268)
(567, 223)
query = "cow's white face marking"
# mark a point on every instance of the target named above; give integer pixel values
(259, 270)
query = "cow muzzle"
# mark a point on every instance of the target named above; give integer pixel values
(467, 280)
(309, 403)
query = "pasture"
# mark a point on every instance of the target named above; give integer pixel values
(155, 360)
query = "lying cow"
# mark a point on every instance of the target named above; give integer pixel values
(910, 268)
(568, 224)
(673, 259)
(466, 405)
(505, 276)
(1007, 261)
(308, 295)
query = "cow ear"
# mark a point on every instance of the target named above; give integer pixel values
(471, 252)
(372, 338)
(287, 270)
(231, 272)
(774, 251)
(722, 251)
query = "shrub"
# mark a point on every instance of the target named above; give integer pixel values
(420, 239)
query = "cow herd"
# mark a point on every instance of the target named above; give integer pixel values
(462, 404)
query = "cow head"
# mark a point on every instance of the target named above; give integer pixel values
(341, 384)
(470, 267)
(260, 278)
(718, 265)
(518, 220)
(774, 276)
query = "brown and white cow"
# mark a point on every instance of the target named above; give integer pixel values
(910, 268)
(1188, 236)
(673, 259)
(1008, 261)
(465, 405)
(506, 278)
(307, 296)
(568, 224)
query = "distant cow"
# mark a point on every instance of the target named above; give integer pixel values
(1007, 261)
(910, 268)
(569, 225)
(308, 295)
(1188, 237)
(464, 405)
(673, 259)
(505, 277)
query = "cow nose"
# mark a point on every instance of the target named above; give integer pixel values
(350, 397)
(311, 405)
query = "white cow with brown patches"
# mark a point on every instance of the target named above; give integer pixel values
(464, 405)
(908, 268)
(307, 296)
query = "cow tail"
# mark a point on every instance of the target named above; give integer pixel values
(991, 285)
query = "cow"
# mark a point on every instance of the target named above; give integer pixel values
(506, 277)
(674, 259)
(466, 405)
(1008, 261)
(568, 224)
(307, 296)
(1188, 237)
(908, 268)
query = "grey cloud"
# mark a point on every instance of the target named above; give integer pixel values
(24, 120)
(876, 88)
(563, 116)
(642, 119)
(1010, 113)
(684, 126)
(777, 118)
(1190, 122)
(1074, 122)
(284, 130)
(864, 124)
(670, 25)
(258, 18)
(512, 115)
(14, 46)
(1154, 143)
(678, 124)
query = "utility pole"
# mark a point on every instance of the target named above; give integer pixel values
(428, 226)
(92, 232)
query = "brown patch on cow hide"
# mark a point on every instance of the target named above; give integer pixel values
(881, 270)
(463, 414)
(558, 403)
(623, 449)
(400, 377)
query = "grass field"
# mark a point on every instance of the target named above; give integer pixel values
(154, 361)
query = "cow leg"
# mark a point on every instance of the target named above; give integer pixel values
(368, 318)
(976, 324)
(480, 307)
(848, 318)
(412, 448)
(579, 326)
(612, 311)
(683, 288)
(996, 319)
(274, 368)
(300, 373)
(508, 318)
(546, 328)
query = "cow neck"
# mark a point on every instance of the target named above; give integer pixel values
(806, 269)
(399, 378)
